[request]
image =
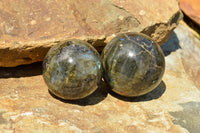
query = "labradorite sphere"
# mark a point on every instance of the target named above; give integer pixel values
(133, 64)
(72, 69)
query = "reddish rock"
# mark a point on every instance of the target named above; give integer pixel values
(192, 9)
(173, 107)
(29, 28)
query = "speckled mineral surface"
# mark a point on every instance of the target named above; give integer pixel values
(72, 69)
(133, 64)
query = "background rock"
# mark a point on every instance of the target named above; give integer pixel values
(29, 28)
(192, 9)
(173, 107)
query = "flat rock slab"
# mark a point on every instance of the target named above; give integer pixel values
(29, 28)
(192, 9)
(173, 107)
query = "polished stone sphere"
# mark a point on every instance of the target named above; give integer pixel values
(133, 64)
(72, 69)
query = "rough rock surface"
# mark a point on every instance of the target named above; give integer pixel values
(192, 9)
(173, 107)
(29, 28)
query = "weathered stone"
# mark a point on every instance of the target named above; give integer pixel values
(191, 58)
(29, 28)
(173, 107)
(192, 9)
(133, 64)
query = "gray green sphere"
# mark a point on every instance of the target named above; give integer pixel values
(72, 69)
(133, 64)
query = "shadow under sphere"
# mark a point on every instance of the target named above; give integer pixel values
(97, 96)
(154, 94)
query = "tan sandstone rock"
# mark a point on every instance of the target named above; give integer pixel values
(173, 107)
(29, 28)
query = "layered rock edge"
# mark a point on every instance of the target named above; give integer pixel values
(29, 29)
